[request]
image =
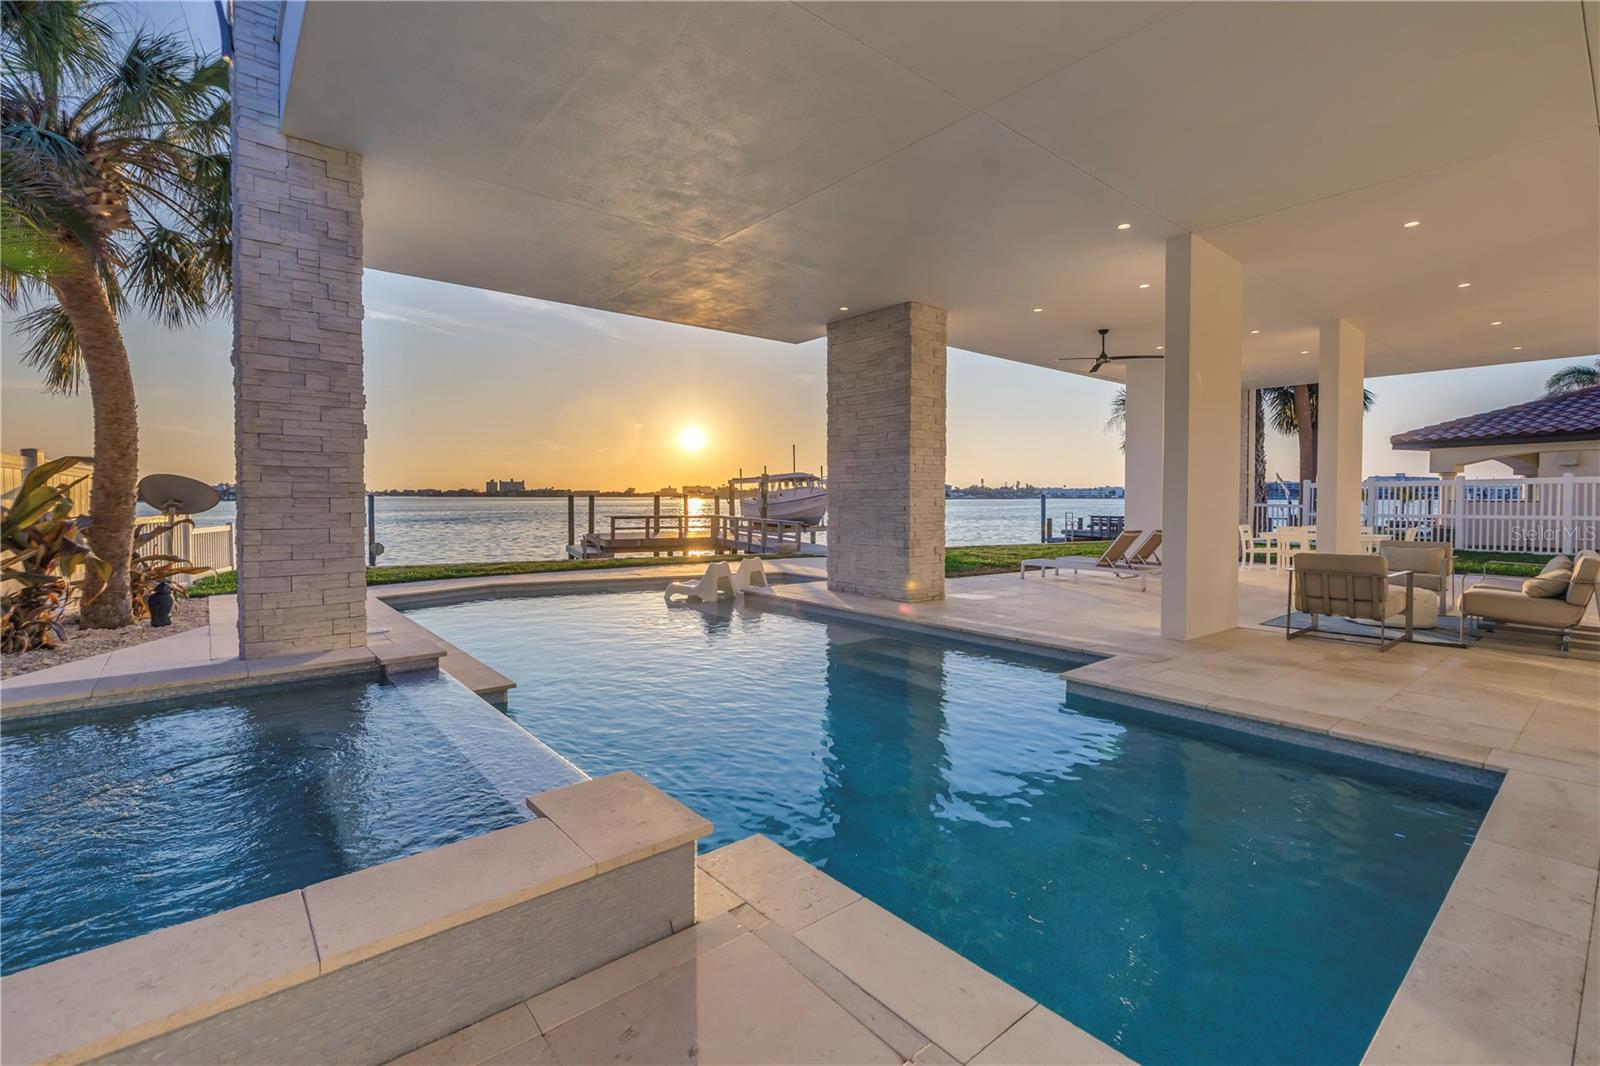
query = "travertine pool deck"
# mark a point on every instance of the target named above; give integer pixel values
(783, 965)
(1508, 972)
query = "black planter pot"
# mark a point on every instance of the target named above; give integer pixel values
(161, 606)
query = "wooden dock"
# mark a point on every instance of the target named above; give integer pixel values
(681, 534)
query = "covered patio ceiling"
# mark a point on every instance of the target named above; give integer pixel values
(757, 167)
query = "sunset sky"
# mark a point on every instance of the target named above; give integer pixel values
(465, 385)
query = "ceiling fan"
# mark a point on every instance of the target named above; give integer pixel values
(1102, 359)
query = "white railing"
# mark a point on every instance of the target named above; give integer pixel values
(208, 546)
(1510, 514)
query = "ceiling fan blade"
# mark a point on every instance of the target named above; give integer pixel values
(1078, 358)
(1117, 357)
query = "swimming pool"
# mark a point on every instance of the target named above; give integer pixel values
(123, 822)
(1184, 893)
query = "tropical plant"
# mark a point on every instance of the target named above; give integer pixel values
(115, 174)
(1573, 378)
(1118, 421)
(148, 571)
(1291, 407)
(42, 550)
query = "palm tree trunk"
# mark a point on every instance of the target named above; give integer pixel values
(112, 498)
(1259, 459)
(1307, 433)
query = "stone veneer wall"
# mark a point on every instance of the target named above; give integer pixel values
(299, 433)
(886, 453)
(376, 1010)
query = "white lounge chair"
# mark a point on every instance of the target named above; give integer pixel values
(708, 587)
(751, 574)
(1115, 560)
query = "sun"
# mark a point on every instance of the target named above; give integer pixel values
(692, 438)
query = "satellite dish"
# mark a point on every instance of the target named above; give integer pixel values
(174, 494)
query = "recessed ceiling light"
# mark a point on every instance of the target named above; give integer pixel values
(1518, 348)
(844, 309)
(1124, 225)
(1036, 310)
(1144, 285)
(1497, 322)
(1305, 351)
(1161, 347)
(1255, 331)
(1463, 284)
(1414, 223)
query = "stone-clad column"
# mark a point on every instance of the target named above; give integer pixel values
(886, 451)
(299, 433)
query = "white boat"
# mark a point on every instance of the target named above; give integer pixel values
(792, 497)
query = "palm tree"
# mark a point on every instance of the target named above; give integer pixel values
(1573, 378)
(1118, 422)
(115, 192)
(1291, 407)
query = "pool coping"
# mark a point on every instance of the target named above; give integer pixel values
(95, 1003)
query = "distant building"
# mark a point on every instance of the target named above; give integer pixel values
(504, 488)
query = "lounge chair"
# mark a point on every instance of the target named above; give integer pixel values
(1553, 602)
(706, 588)
(751, 574)
(1348, 586)
(1116, 560)
(1145, 554)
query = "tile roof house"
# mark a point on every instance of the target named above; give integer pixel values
(1547, 437)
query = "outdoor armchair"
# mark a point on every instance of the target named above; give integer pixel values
(1348, 586)
(1432, 564)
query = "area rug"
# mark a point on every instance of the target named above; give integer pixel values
(1444, 636)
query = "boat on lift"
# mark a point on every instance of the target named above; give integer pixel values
(793, 497)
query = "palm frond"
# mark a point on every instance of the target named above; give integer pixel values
(52, 347)
(1572, 378)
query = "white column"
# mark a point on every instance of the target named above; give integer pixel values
(886, 451)
(1141, 459)
(1200, 580)
(1341, 376)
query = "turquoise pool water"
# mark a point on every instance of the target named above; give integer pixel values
(1184, 893)
(121, 823)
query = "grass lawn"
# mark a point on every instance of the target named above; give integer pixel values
(958, 562)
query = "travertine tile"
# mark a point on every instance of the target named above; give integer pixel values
(1390, 716)
(1587, 1052)
(784, 887)
(1577, 772)
(739, 1004)
(960, 1006)
(934, 1055)
(1557, 895)
(711, 897)
(1044, 1038)
(1548, 816)
(91, 1004)
(1486, 987)
(478, 1042)
(565, 1002)
(535, 1052)
(619, 818)
(1416, 743)
(884, 1023)
(382, 907)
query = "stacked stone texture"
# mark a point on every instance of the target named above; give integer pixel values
(886, 453)
(299, 428)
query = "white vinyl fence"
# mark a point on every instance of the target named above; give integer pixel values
(208, 546)
(1509, 514)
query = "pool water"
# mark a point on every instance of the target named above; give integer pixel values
(1184, 893)
(122, 823)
